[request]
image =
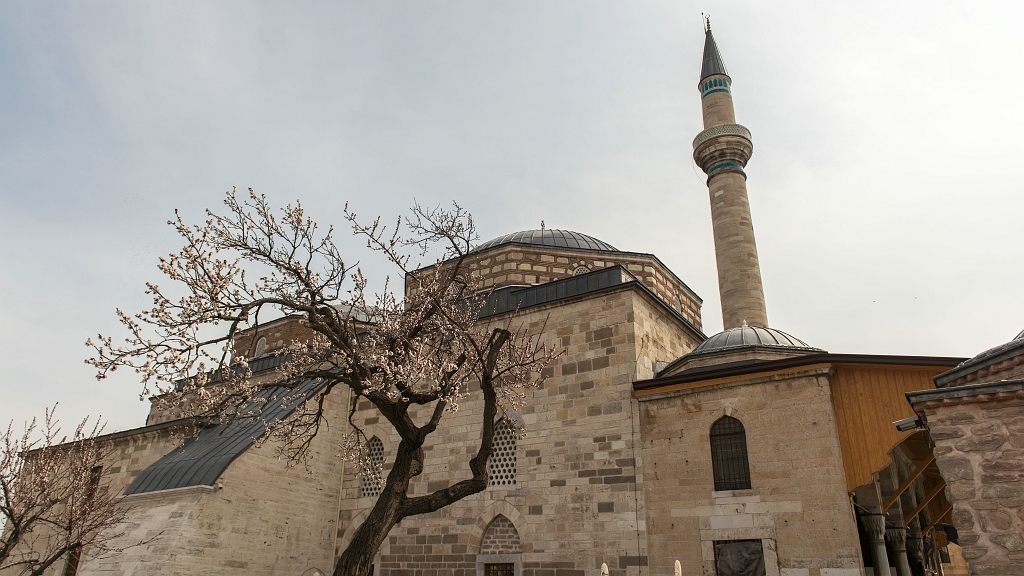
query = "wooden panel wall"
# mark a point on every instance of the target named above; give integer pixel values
(868, 399)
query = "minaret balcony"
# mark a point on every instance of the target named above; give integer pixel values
(731, 129)
(723, 148)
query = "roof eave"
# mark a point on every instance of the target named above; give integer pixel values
(772, 365)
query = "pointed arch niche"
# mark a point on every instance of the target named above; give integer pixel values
(501, 549)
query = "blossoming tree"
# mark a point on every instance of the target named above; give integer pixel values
(53, 503)
(412, 355)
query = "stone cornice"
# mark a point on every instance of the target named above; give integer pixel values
(984, 365)
(969, 394)
(558, 251)
(170, 494)
(690, 388)
(633, 285)
(741, 368)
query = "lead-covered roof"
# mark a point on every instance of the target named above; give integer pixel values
(713, 63)
(201, 460)
(551, 238)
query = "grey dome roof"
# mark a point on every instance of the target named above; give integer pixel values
(548, 237)
(750, 336)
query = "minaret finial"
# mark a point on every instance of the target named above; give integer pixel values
(707, 22)
(541, 224)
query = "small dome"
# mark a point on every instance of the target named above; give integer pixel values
(552, 238)
(750, 336)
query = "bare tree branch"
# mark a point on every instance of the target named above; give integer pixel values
(422, 348)
(53, 498)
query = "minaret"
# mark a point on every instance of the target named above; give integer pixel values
(721, 151)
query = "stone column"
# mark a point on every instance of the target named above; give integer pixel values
(875, 526)
(897, 538)
(915, 544)
(915, 549)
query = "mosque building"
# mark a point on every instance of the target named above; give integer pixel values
(651, 448)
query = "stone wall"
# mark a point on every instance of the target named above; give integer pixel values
(797, 505)
(577, 501)
(135, 452)
(739, 274)
(130, 454)
(979, 439)
(261, 517)
(279, 334)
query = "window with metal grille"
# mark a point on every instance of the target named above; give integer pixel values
(580, 270)
(372, 482)
(501, 467)
(739, 558)
(499, 569)
(729, 455)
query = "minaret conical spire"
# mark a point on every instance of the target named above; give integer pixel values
(713, 63)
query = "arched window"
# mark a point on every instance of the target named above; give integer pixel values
(261, 347)
(580, 270)
(729, 455)
(501, 466)
(371, 479)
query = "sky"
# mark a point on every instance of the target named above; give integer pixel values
(884, 184)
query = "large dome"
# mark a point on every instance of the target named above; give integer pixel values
(552, 238)
(750, 336)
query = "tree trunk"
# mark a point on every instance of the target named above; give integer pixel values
(393, 504)
(357, 560)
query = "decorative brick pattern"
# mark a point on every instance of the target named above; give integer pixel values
(371, 477)
(501, 467)
(536, 265)
(501, 537)
(279, 334)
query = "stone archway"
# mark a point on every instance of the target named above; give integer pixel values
(501, 549)
(501, 537)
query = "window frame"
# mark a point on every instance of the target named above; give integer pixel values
(730, 457)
